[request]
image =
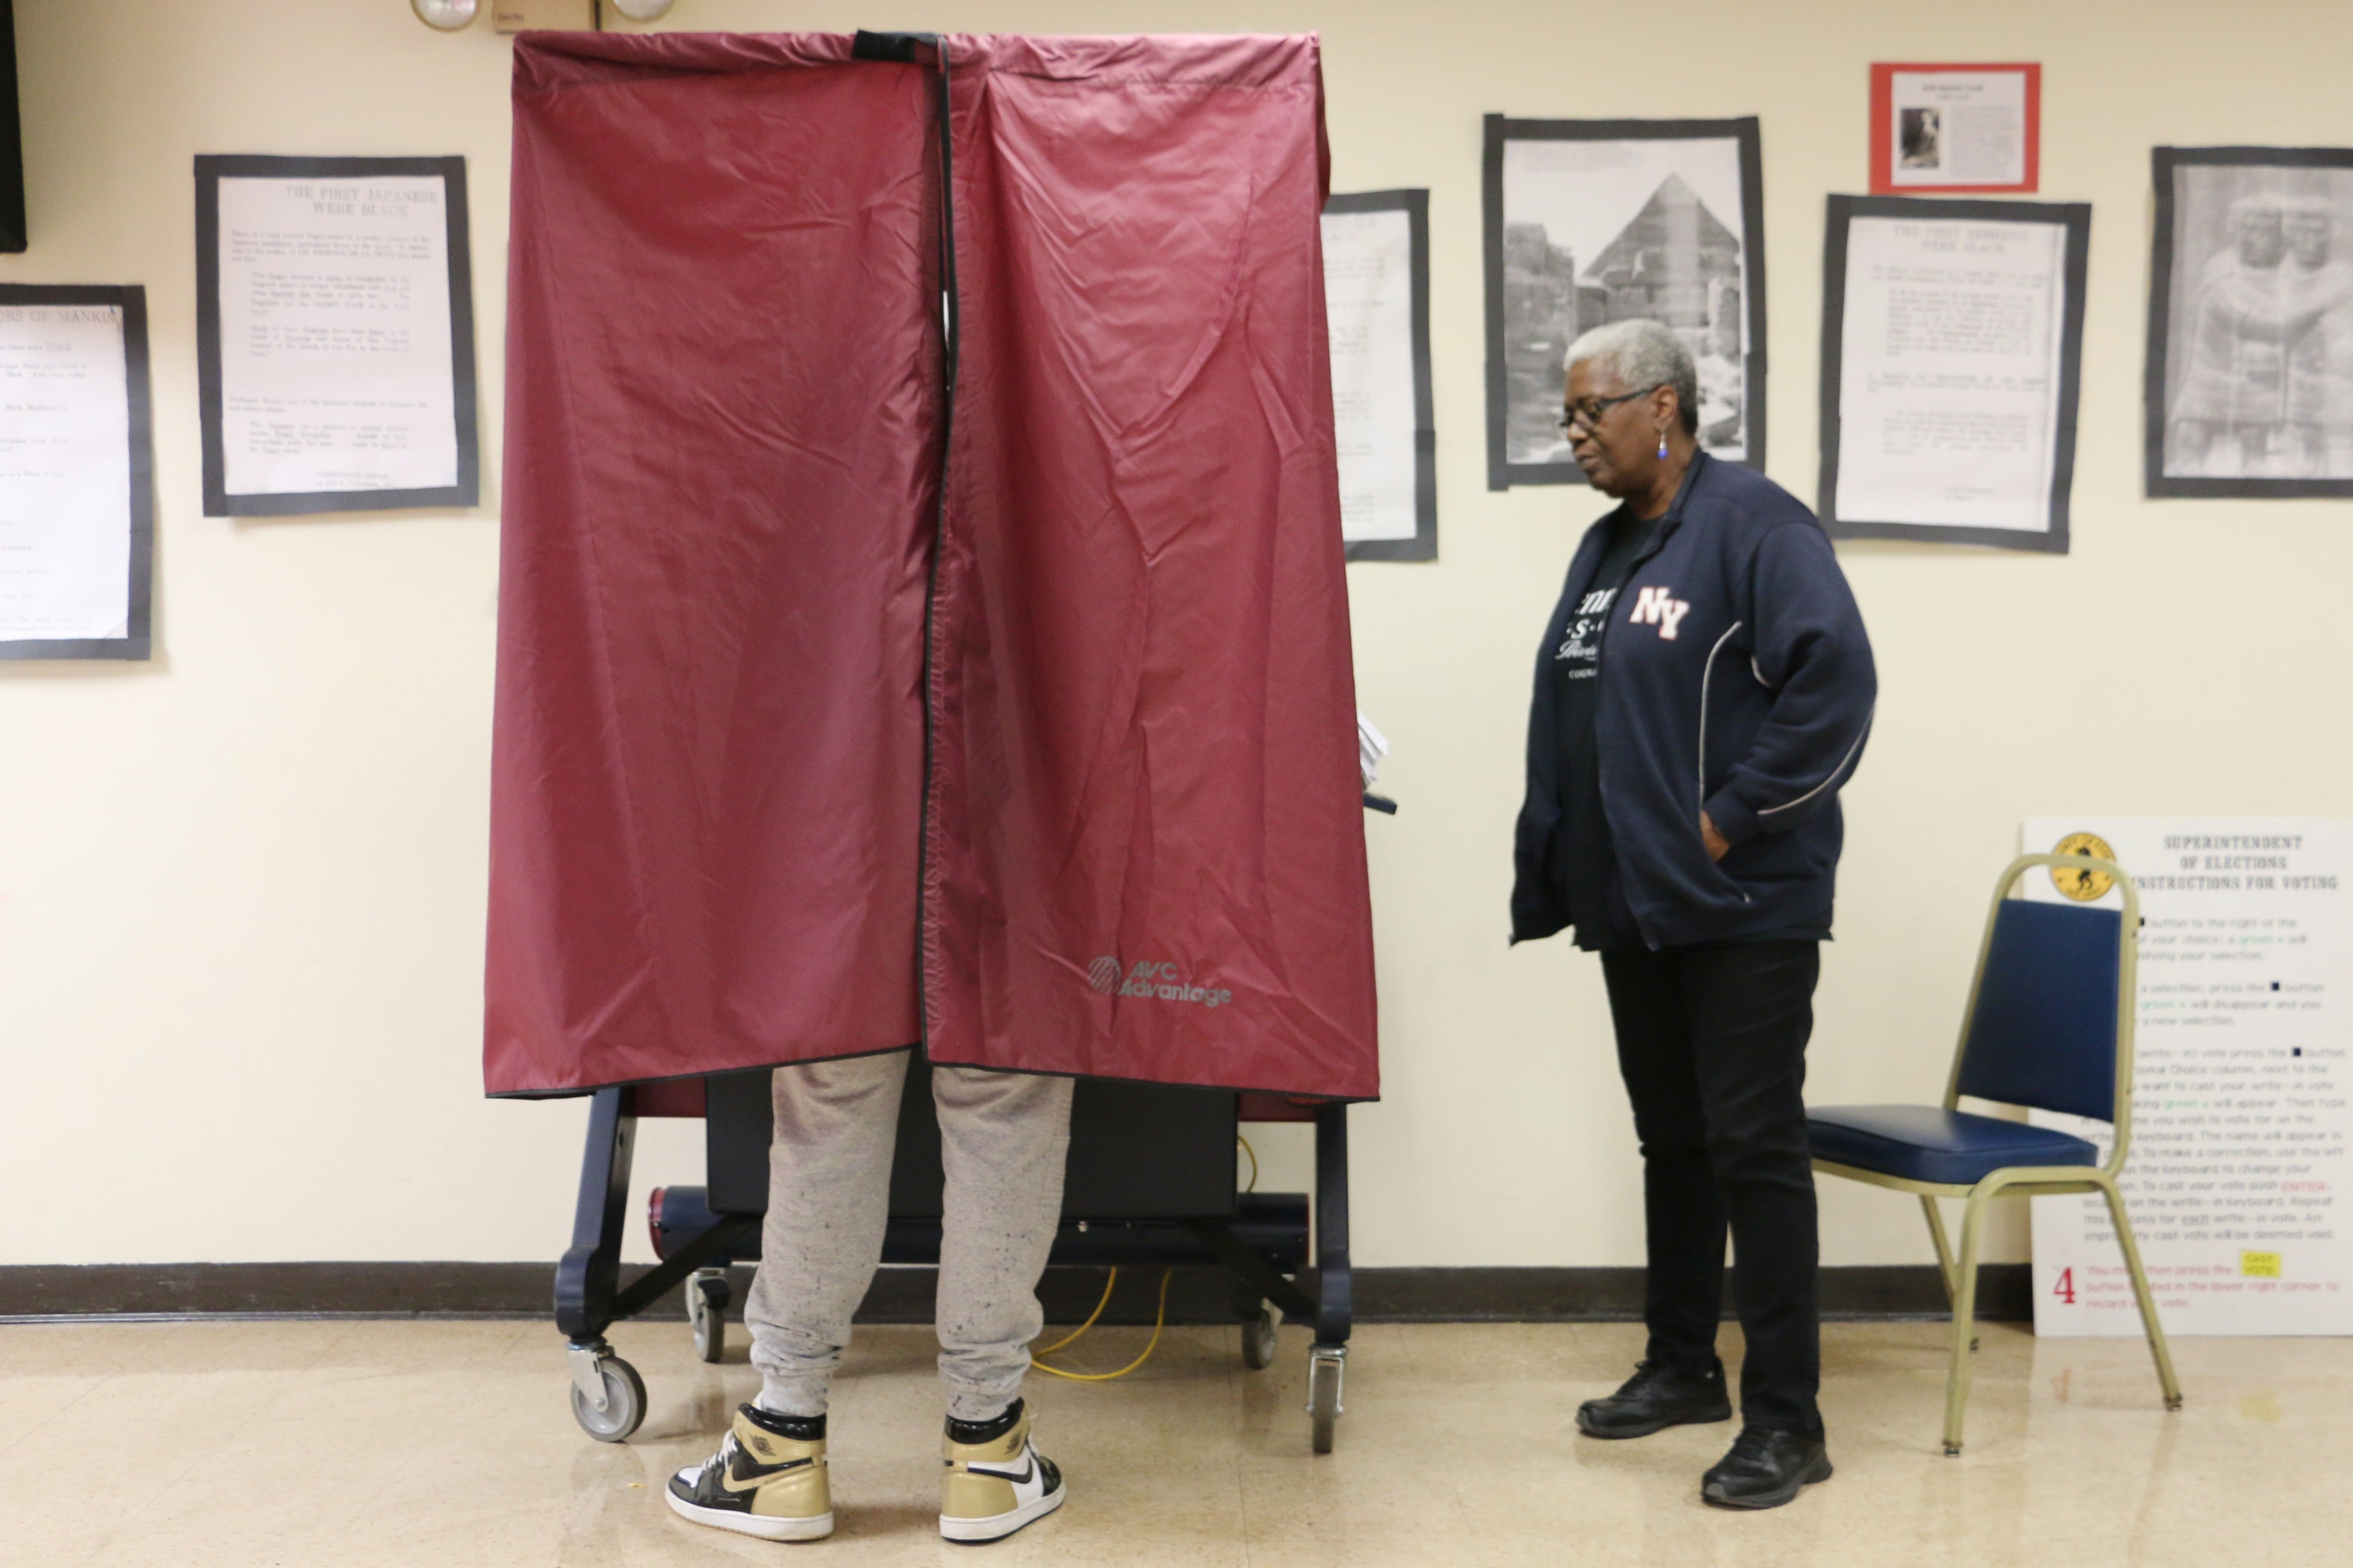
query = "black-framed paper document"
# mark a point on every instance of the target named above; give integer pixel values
(1594, 221)
(1952, 360)
(76, 480)
(1377, 299)
(334, 335)
(2250, 375)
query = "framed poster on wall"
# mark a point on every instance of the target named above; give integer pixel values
(334, 335)
(2249, 373)
(1594, 221)
(1377, 301)
(77, 473)
(1956, 129)
(1952, 363)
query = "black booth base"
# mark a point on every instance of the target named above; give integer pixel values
(37, 1291)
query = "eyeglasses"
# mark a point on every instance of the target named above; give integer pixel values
(1589, 412)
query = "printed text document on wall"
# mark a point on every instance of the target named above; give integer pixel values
(1368, 292)
(72, 501)
(1952, 348)
(333, 376)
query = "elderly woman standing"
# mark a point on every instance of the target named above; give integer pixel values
(1703, 689)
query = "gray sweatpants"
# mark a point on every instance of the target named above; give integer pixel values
(1003, 1137)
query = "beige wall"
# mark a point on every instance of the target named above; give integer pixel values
(241, 888)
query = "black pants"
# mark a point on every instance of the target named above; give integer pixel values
(1712, 1041)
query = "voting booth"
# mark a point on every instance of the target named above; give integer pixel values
(923, 620)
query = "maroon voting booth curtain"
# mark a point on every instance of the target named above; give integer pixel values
(839, 709)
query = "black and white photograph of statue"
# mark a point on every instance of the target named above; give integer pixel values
(1606, 221)
(2251, 333)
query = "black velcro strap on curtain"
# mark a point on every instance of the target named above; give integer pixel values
(900, 46)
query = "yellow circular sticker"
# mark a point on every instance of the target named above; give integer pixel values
(2081, 882)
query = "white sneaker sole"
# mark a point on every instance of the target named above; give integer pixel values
(998, 1526)
(765, 1527)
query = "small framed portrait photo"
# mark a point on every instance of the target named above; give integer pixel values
(2249, 375)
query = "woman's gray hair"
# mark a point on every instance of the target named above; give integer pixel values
(1644, 354)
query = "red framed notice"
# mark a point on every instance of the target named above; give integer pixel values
(1955, 128)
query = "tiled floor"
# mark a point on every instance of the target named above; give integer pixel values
(355, 1443)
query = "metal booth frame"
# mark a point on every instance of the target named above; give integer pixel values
(1265, 1247)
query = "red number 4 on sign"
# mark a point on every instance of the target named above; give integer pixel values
(2065, 1285)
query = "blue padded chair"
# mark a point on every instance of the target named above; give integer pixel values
(2049, 1026)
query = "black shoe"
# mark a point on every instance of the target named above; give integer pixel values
(1655, 1398)
(1765, 1469)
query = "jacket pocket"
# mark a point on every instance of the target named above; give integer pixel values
(1767, 857)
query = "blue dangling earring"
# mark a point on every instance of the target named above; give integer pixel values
(1663, 445)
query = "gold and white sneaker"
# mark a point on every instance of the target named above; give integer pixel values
(767, 1479)
(997, 1481)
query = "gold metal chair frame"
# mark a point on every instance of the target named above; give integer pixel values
(2035, 1181)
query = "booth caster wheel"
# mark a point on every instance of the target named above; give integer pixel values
(1326, 1366)
(706, 1313)
(1258, 1340)
(608, 1397)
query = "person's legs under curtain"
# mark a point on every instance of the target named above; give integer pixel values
(1751, 1011)
(1003, 1141)
(1004, 1138)
(837, 1123)
(829, 1197)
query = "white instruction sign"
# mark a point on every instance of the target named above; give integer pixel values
(2240, 1137)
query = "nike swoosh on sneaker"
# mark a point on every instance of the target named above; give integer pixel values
(738, 1479)
(1023, 1479)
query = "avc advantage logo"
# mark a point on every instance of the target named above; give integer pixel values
(1159, 981)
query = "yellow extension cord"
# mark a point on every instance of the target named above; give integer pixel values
(1159, 1322)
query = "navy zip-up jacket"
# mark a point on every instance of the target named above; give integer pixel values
(1736, 679)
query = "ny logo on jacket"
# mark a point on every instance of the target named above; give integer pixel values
(1652, 607)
